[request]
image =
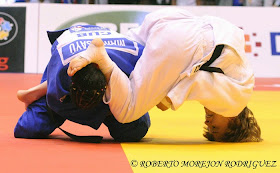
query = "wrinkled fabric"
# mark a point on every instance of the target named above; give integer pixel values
(35, 122)
(177, 42)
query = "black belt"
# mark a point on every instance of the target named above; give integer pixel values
(217, 52)
(90, 139)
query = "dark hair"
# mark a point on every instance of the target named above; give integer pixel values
(243, 128)
(87, 87)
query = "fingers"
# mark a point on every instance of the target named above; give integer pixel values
(162, 107)
(94, 52)
(97, 42)
(71, 71)
(76, 64)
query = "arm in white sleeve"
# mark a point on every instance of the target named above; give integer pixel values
(169, 48)
(164, 58)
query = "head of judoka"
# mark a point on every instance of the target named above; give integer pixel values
(241, 128)
(88, 87)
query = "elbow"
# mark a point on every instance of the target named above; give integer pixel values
(127, 114)
(122, 116)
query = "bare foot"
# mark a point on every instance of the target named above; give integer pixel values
(26, 97)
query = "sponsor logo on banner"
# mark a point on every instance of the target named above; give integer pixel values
(119, 21)
(12, 39)
(275, 43)
(8, 28)
(252, 44)
(4, 63)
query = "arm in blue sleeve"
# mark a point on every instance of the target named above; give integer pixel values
(35, 122)
(128, 132)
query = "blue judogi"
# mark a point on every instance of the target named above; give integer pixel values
(66, 44)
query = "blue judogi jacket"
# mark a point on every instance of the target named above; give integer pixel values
(67, 44)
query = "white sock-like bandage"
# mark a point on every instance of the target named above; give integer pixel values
(96, 53)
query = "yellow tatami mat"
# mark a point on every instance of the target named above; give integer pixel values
(175, 142)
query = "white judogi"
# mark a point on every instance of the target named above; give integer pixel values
(177, 43)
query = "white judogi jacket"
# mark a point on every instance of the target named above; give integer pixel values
(177, 43)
